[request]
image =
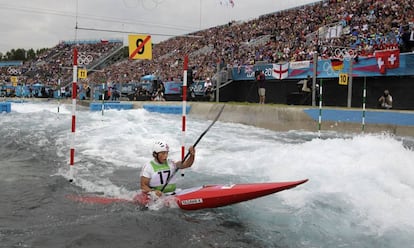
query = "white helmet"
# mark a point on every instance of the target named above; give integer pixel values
(160, 146)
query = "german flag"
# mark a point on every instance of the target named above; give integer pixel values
(337, 64)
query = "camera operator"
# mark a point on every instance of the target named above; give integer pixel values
(385, 101)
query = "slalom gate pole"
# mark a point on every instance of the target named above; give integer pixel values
(184, 110)
(103, 98)
(74, 93)
(320, 109)
(59, 94)
(364, 97)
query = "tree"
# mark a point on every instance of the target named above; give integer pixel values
(31, 54)
(22, 54)
(19, 54)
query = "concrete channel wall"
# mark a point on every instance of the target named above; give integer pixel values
(288, 118)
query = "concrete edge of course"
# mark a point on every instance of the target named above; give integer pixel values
(279, 117)
(287, 118)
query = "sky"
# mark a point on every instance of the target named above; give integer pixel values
(44, 23)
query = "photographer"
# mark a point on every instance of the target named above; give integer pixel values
(385, 101)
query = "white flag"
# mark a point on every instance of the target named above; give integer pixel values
(280, 71)
(299, 64)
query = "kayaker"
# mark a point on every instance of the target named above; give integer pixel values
(156, 173)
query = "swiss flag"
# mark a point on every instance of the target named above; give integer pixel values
(381, 57)
(387, 59)
(393, 60)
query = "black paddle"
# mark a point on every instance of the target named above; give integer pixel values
(195, 144)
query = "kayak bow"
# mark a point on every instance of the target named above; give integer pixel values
(213, 196)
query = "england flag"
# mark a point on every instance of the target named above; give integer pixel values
(280, 71)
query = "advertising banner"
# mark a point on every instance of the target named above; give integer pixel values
(382, 63)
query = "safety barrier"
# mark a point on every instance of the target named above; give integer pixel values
(166, 109)
(355, 116)
(16, 101)
(110, 105)
(5, 106)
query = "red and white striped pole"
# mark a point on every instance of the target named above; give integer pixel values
(74, 93)
(184, 108)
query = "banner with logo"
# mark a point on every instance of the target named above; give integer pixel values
(383, 63)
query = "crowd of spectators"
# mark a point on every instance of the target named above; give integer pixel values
(56, 63)
(289, 35)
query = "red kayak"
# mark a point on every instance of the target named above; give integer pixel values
(207, 196)
(213, 196)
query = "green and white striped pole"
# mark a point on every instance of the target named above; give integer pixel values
(364, 96)
(320, 108)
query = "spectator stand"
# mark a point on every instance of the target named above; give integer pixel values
(288, 35)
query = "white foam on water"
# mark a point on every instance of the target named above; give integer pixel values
(358, 184)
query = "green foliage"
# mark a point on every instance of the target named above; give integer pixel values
(21, 54)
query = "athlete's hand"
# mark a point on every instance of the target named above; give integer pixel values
(191, 150)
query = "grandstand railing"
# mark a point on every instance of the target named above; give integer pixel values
(91, 41)
(99, 62)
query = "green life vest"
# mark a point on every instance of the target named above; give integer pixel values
(161, 175)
